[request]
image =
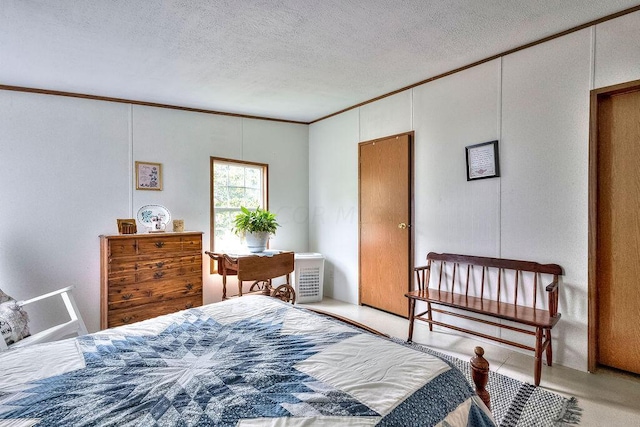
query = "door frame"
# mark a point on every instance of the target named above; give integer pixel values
(596, 96)
(411, 135)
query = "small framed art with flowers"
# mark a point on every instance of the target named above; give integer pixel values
(148, 176)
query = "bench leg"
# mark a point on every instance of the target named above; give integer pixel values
(429, 316)
(412, 307)
(538, 353)
(549, 350)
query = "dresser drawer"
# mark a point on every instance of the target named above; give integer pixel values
(192, 244)
(158, 275)
(123, 272)
(122, 279)
(135, 314)
(119, 267)
(165, 244)
(137, 294)
(160, 245)
(177, 270)
(123, 247)
(191, 264)
(158, 268)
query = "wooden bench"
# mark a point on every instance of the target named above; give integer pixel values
(501, 288)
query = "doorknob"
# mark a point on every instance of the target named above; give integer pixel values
(402, 226)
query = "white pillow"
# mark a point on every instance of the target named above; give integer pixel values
(14, 322)
(4, 297)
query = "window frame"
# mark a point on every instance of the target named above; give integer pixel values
(265, 194)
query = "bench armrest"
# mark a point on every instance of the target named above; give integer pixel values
(421, 276)
(552, 288)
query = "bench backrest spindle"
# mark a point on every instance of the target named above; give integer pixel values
(453, 277)
(466, 291)
(515, 296)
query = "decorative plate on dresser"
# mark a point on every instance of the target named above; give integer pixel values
(146, 275)
(154, 217)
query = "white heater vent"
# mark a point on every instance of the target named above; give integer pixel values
(308, 277)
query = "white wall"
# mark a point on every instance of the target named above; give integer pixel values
(451, 214)
(64, 179)
(617, 56)
(285, 148)
(333, 202)
(536, 103)
(545, 134)
(66, 175)
(388, 116)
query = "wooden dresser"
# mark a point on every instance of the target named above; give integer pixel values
(146, 275)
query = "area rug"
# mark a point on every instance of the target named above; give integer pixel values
(515, 403)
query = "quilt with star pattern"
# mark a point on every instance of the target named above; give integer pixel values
(250, 361)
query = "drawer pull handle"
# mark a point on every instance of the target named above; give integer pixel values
(188, 305)
(159, 264)
(126, 319)
(159, 244)
(158, 274)
(189, 286)
(127, 296)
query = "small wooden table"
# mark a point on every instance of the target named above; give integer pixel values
(258, 268)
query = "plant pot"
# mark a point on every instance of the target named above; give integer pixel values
(257, 241)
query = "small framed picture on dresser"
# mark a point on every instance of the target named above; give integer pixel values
(148, 176)
(127, 226)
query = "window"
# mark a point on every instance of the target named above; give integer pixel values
(234, 184)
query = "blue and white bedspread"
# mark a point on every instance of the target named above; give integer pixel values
(251, 361)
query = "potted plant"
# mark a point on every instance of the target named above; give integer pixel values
(255, 227)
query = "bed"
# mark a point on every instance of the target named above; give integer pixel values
(250, 361)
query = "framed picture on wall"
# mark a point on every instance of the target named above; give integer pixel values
(482, 160)
(148, 176)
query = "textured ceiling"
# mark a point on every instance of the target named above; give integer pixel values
(288, 59)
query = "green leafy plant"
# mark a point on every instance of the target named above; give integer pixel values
(256, 221)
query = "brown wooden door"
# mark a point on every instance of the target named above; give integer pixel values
(618, 235)
(385, 223)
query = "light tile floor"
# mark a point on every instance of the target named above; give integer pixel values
(607, 398)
